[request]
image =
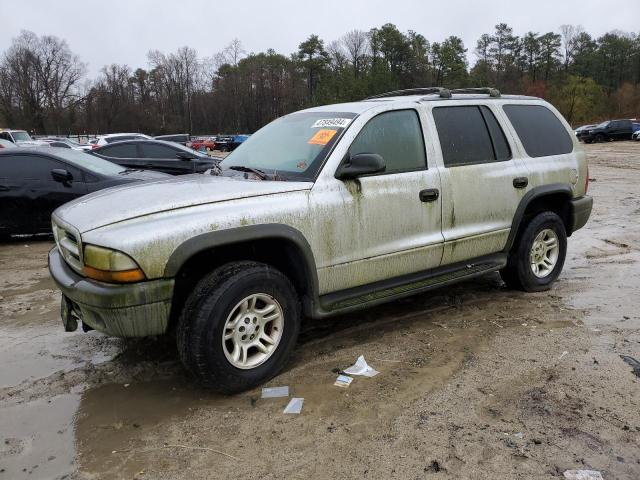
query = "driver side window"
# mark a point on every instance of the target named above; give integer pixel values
(397, 137)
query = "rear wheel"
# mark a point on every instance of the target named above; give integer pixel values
(536, 260)
(239, 326)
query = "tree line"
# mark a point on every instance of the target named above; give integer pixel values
(44, 86)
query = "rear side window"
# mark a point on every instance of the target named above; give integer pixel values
(540, 131)
(397, 137)
(120, 150)
(150, 150)
(470, 135)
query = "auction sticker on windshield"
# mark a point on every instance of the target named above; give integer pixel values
(331, 122)
(322, 137)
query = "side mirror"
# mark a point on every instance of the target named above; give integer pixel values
(361, 164)
(185, 156)
(61, 175)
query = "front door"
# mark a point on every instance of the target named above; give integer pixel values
(380, 226)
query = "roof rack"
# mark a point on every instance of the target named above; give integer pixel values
(441, 91)
(492, 92)
(444, 92)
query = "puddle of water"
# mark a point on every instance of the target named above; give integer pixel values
(118, 418)
(38, 439)
(32, 353)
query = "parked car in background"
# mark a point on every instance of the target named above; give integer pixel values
(578, 130)
(635, 126)
(203, 144)
(167, 157)
(181, 138)
(608, 131)
(117, 137)
(36, 181)
(636, 135)
(20, 138)
(6, 144)
(61, 142)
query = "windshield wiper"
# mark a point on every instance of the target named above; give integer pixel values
(129, 170)
(262, 175)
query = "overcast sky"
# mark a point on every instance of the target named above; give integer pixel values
(121, 31)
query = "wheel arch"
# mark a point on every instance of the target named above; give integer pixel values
(554, 197)
(277, 245)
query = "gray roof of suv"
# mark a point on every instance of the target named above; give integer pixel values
(363, 105)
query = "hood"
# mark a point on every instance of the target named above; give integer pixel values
(133, 200)
(144, 175)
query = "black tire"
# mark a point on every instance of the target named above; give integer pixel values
(600, 138)
(518, 273)
(201, 324)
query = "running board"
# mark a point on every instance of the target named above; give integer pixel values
(392, 289)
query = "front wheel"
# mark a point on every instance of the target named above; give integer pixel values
(239, 326)
(536, 261)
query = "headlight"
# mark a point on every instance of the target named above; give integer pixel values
(110, 266)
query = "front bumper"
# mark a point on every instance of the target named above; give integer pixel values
(580, 212)
(129, 310)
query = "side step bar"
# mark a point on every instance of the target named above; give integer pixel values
(387, 290)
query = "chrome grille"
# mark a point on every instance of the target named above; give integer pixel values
(69, 244)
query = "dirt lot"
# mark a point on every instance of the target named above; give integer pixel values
(476, 381)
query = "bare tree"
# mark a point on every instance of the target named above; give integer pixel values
(356, 44)
(570, 35)
(39, 77)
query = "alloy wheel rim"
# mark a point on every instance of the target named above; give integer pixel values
(252, 331)
(544, 253)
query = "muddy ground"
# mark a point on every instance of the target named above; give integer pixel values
(476, 381)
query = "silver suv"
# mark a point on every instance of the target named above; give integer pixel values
(325, 211)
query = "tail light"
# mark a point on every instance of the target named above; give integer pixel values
(94, 146)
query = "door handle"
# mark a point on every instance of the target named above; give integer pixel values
(429, 195)
(520, 182)
(4, 188)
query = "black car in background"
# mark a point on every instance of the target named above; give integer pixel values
(36, 181)
(607, 131)
(156, 155)
(181, 138)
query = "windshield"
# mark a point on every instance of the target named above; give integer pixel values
(293, 146)
(602, 125)
(90, 162)
(21, 136)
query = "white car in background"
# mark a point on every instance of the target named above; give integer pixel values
(20, 138)
(6, 144)
(117, 137)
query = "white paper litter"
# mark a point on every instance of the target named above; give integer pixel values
(343, 381)
(583, 475)
(295, 406)
(361, 368)
(275, 392)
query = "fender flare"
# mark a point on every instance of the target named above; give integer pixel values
(526, 200)
(231, 236)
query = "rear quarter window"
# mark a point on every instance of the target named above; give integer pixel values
(540, 131)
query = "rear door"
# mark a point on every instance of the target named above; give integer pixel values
(12, 195)
(481, 181)
(162, 158)
(123, 153)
